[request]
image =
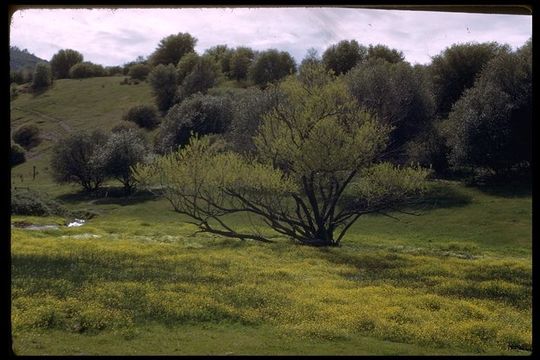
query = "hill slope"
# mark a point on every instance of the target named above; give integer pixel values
(71, 106)
(20, 59)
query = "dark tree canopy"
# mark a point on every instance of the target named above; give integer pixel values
(163, 81)
(86, 70)
(28, 136)
(186, 64)
(199, 114)
(122, 150)
(204, 75)
(75, 160)
(490, 125)
(172, 48)
(270, 66)
(42, 77)
(139, 71)
(63, 60)
(399, 97)
(145, 116)
(239, 62)
(343, 56)
(384, 52)
(455, 70)
(221, 54)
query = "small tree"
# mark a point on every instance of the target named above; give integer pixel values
(384, 52)
(316, 171)
(139, 71)
(64, 60)
(186, 65)
(123, 150)
(86, 70)
(205, 74)
(240, 61)
(398, 95)
(42, 78)
(455, 69)
(17, 155)
(271, 66)
(163, 80)
(75, 160)
(221, 54)
(343, 56)
(200, 114)
(490, 126)
(27, 136)
(143, 115)
(172, 48)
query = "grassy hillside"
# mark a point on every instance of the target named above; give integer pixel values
(456, 279)
(71, 106)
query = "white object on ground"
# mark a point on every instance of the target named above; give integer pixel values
(75, 223)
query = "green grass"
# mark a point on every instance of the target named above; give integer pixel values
(457, 279)
(438, 288)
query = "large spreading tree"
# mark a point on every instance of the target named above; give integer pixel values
(315, 171)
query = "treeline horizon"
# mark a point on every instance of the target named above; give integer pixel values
(468, 111)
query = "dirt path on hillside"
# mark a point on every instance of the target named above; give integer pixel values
(60, 122)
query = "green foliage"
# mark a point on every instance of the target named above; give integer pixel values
(398, 95)
(125, 126)
(75, 160)
(221, 54)
(120, 153)
(249, 106)
(27, 202)
(139, 71)
(143, 115)
(204, 75)
(270, 66)
(186, 64)
(384, 52)
(42, 78)
(17, 155)
(490, 125)
(199, 114)
(343, 56)
(113, 70)
(301, 167)
(172, 48)
(86, 70)
(163, 80)
(28, 136)
(63, 61)
(239, 62)
(455, 69)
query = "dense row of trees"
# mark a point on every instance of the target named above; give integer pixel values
(320, 134)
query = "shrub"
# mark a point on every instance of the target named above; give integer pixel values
(200, 114)
(75, 160)
(125, 126)
(63, 60)
(139, 71)
(42, 77)
(27, 136)
(163, 79)
(143, 115)
(86, 70)
(17, 155)
(32, 203)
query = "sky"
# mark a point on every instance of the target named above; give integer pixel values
(117, 36)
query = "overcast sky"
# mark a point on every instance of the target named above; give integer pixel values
(114, 37)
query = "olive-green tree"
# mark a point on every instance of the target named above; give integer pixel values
(63, 60)
(316, 171)
(171, 49)
(343, 56)
(163, 81)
